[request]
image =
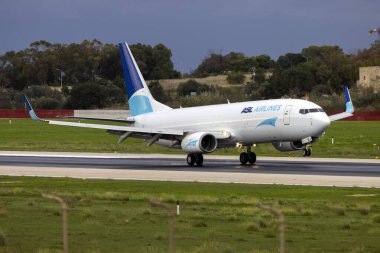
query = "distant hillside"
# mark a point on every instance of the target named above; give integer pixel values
(219, 80)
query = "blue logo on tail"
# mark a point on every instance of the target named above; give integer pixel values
(139, 105)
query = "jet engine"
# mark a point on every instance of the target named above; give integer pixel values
(288, 146)
(201, 142)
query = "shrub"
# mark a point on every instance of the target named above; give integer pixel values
(157, 91)
(46, 103)
(376, 219)
(346, 226)
(364, 210)
(5, 100)
(252, 227)
(235, 77)
(186, 88)
(3, 239)
(321, 89)
(200, 225)
(92, 95)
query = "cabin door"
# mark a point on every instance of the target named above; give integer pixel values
(288, 108)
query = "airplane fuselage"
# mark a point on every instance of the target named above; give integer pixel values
(248, 122)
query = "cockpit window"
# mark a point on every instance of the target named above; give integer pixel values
(306, 111)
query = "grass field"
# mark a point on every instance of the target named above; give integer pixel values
(114, 216)
(351, 139)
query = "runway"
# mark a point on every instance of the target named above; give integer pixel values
(289, 171)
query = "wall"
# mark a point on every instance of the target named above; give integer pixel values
(361, 116)
(369, 77)
(113, 114)
(5, 113)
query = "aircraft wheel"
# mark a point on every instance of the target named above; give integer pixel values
(251, 157)
(244, 158)
(190, 159)
(307, 152)
(199, 159)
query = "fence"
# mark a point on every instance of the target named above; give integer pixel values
(168, 209)
(361, 116)
(5, 113)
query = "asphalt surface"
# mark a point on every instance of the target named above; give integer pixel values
(262, 166)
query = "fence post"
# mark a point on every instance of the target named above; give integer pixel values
(156, 203)
(64, 217)
(282, 224)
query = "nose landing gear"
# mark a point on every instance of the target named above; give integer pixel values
(307, 151)
(248, 157)
(194, 159)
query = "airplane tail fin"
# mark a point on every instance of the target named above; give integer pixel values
(140, 99)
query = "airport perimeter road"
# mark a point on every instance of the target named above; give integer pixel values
(299, 171)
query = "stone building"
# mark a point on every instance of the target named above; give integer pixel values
(369, 77)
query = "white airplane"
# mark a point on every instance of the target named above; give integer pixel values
(289, 124)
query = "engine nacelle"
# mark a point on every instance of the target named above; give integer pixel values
(288, 145)
(201, 142)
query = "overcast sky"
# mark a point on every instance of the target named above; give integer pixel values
(192, 29)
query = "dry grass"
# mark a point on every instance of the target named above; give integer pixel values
(219, 80)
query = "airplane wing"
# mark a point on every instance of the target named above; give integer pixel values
(150, 134)
(129, 121)
(349, 108)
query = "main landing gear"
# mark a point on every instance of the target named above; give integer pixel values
(249, 157)
(194, 159)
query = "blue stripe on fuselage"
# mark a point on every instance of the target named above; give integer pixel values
(132, 79)
(268, 122)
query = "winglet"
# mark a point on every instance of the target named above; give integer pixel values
(349, 105)
(32, 114)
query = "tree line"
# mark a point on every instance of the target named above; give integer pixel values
(91, 68)
(93, 72)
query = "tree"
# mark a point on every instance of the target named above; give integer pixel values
(5, 100)
(234, 61)
(157, 91)
(109, 63)
(259, 76)
(235, 77)
(154, 62)
(289, 60)
(264, 62)
(213, 64)
(92, 95)
(84, 62)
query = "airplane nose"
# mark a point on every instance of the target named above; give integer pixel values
(322, 122)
